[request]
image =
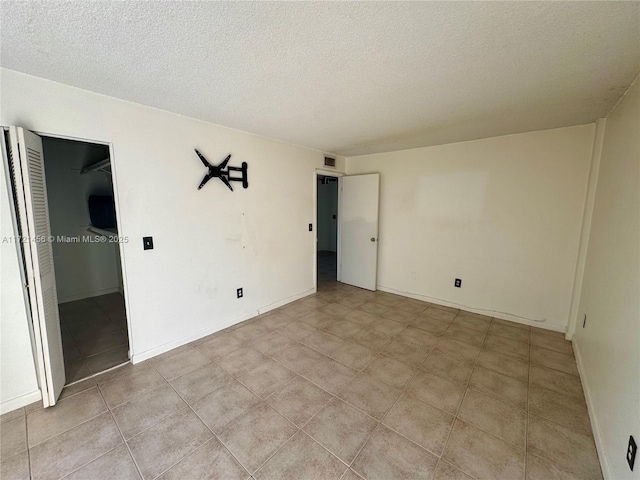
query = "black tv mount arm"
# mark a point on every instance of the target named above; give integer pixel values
(224, 175)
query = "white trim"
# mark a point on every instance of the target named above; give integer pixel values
(82, 296)
(140, 357)
(492, 313)
(595, 424)
(585, 229)
(21, 401)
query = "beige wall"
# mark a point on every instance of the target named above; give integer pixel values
(608, 347)
(503, 214)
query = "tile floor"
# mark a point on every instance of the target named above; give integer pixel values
(94, 335)
(345, 384)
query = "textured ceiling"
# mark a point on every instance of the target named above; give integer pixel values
(344, 77)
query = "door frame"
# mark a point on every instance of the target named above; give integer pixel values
(325, 173)
(114, 181)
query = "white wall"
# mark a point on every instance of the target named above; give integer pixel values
(18, 383)
(608, 347)
(82, 269)
(503, 214)
(207, 242)
(327, 208)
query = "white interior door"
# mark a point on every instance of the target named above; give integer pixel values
(359, 230)
(27, 165)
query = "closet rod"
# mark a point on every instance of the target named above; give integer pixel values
(98, 166)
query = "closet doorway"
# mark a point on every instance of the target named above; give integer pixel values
(327, 187)
(86, 256)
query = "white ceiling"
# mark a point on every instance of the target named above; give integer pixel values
(344, 77)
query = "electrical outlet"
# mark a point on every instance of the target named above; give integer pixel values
(239, 293)
(147, 243)
(584, 321)
(458, 283)
(631, 452)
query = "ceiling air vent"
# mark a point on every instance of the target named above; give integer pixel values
(329, 162)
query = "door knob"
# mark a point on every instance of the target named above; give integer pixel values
(373, 239)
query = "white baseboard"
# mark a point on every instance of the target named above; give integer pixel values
(82, 296)
(140, 357)
(593, 417)
(19, 402)
(490, 313)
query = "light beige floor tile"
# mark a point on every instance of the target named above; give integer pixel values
(374, 308)
(15, 467)
(360, 318)
(314, 302)
(295, 310)
(353, 355)
(318, 319)
(13, 437)
(66, 414)
(419, 337)
(369, 395)
(76, 370)
(390, 371)
(323, 342)
(249, 332)
(271, 343)
(225, 404)
(372, 339)
(102, 343)
(483, 455)
(501, 387)
(557, 361)
(266, 378)
(465, 335)
(497, 418)
(480, 323)
(253, 437)
(299, 400)
(298, 357)
(508, 347)
(115, 465)
(76, 388)
(343, 328)
(448, 367)
(12, 415)
(387, 327)
(300, 458)
(507, 323)
(219, 345)
(541, 469)
(436, 391)
(549, 342)
(275, 321)
(428, 426)
(351, 475)
(441, 313)
(505, 364)
(571, 452)
(511, 332)
(406, 352)
(557, 381)
(211, 461)
(550, 333)
(388, 455)
(167, 442)
(132, 382)
(65, 453)
(456, 349)
(240, 361)
(297, 330)
(341, 429)
(446, 471)
(330, 375)
(200, 382)
(429, 324)
(146, 410)
(412, 306)
(401, 316)
(565, 410)
(336, 310)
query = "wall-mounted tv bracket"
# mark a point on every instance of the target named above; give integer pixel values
(224, 175)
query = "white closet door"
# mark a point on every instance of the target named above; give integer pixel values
(359, 230)
(34, 212)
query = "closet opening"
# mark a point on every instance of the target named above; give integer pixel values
(86, 256)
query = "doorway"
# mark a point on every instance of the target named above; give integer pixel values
(327, 230)
(86, 256)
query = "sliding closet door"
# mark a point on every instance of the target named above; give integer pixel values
(29, 175)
